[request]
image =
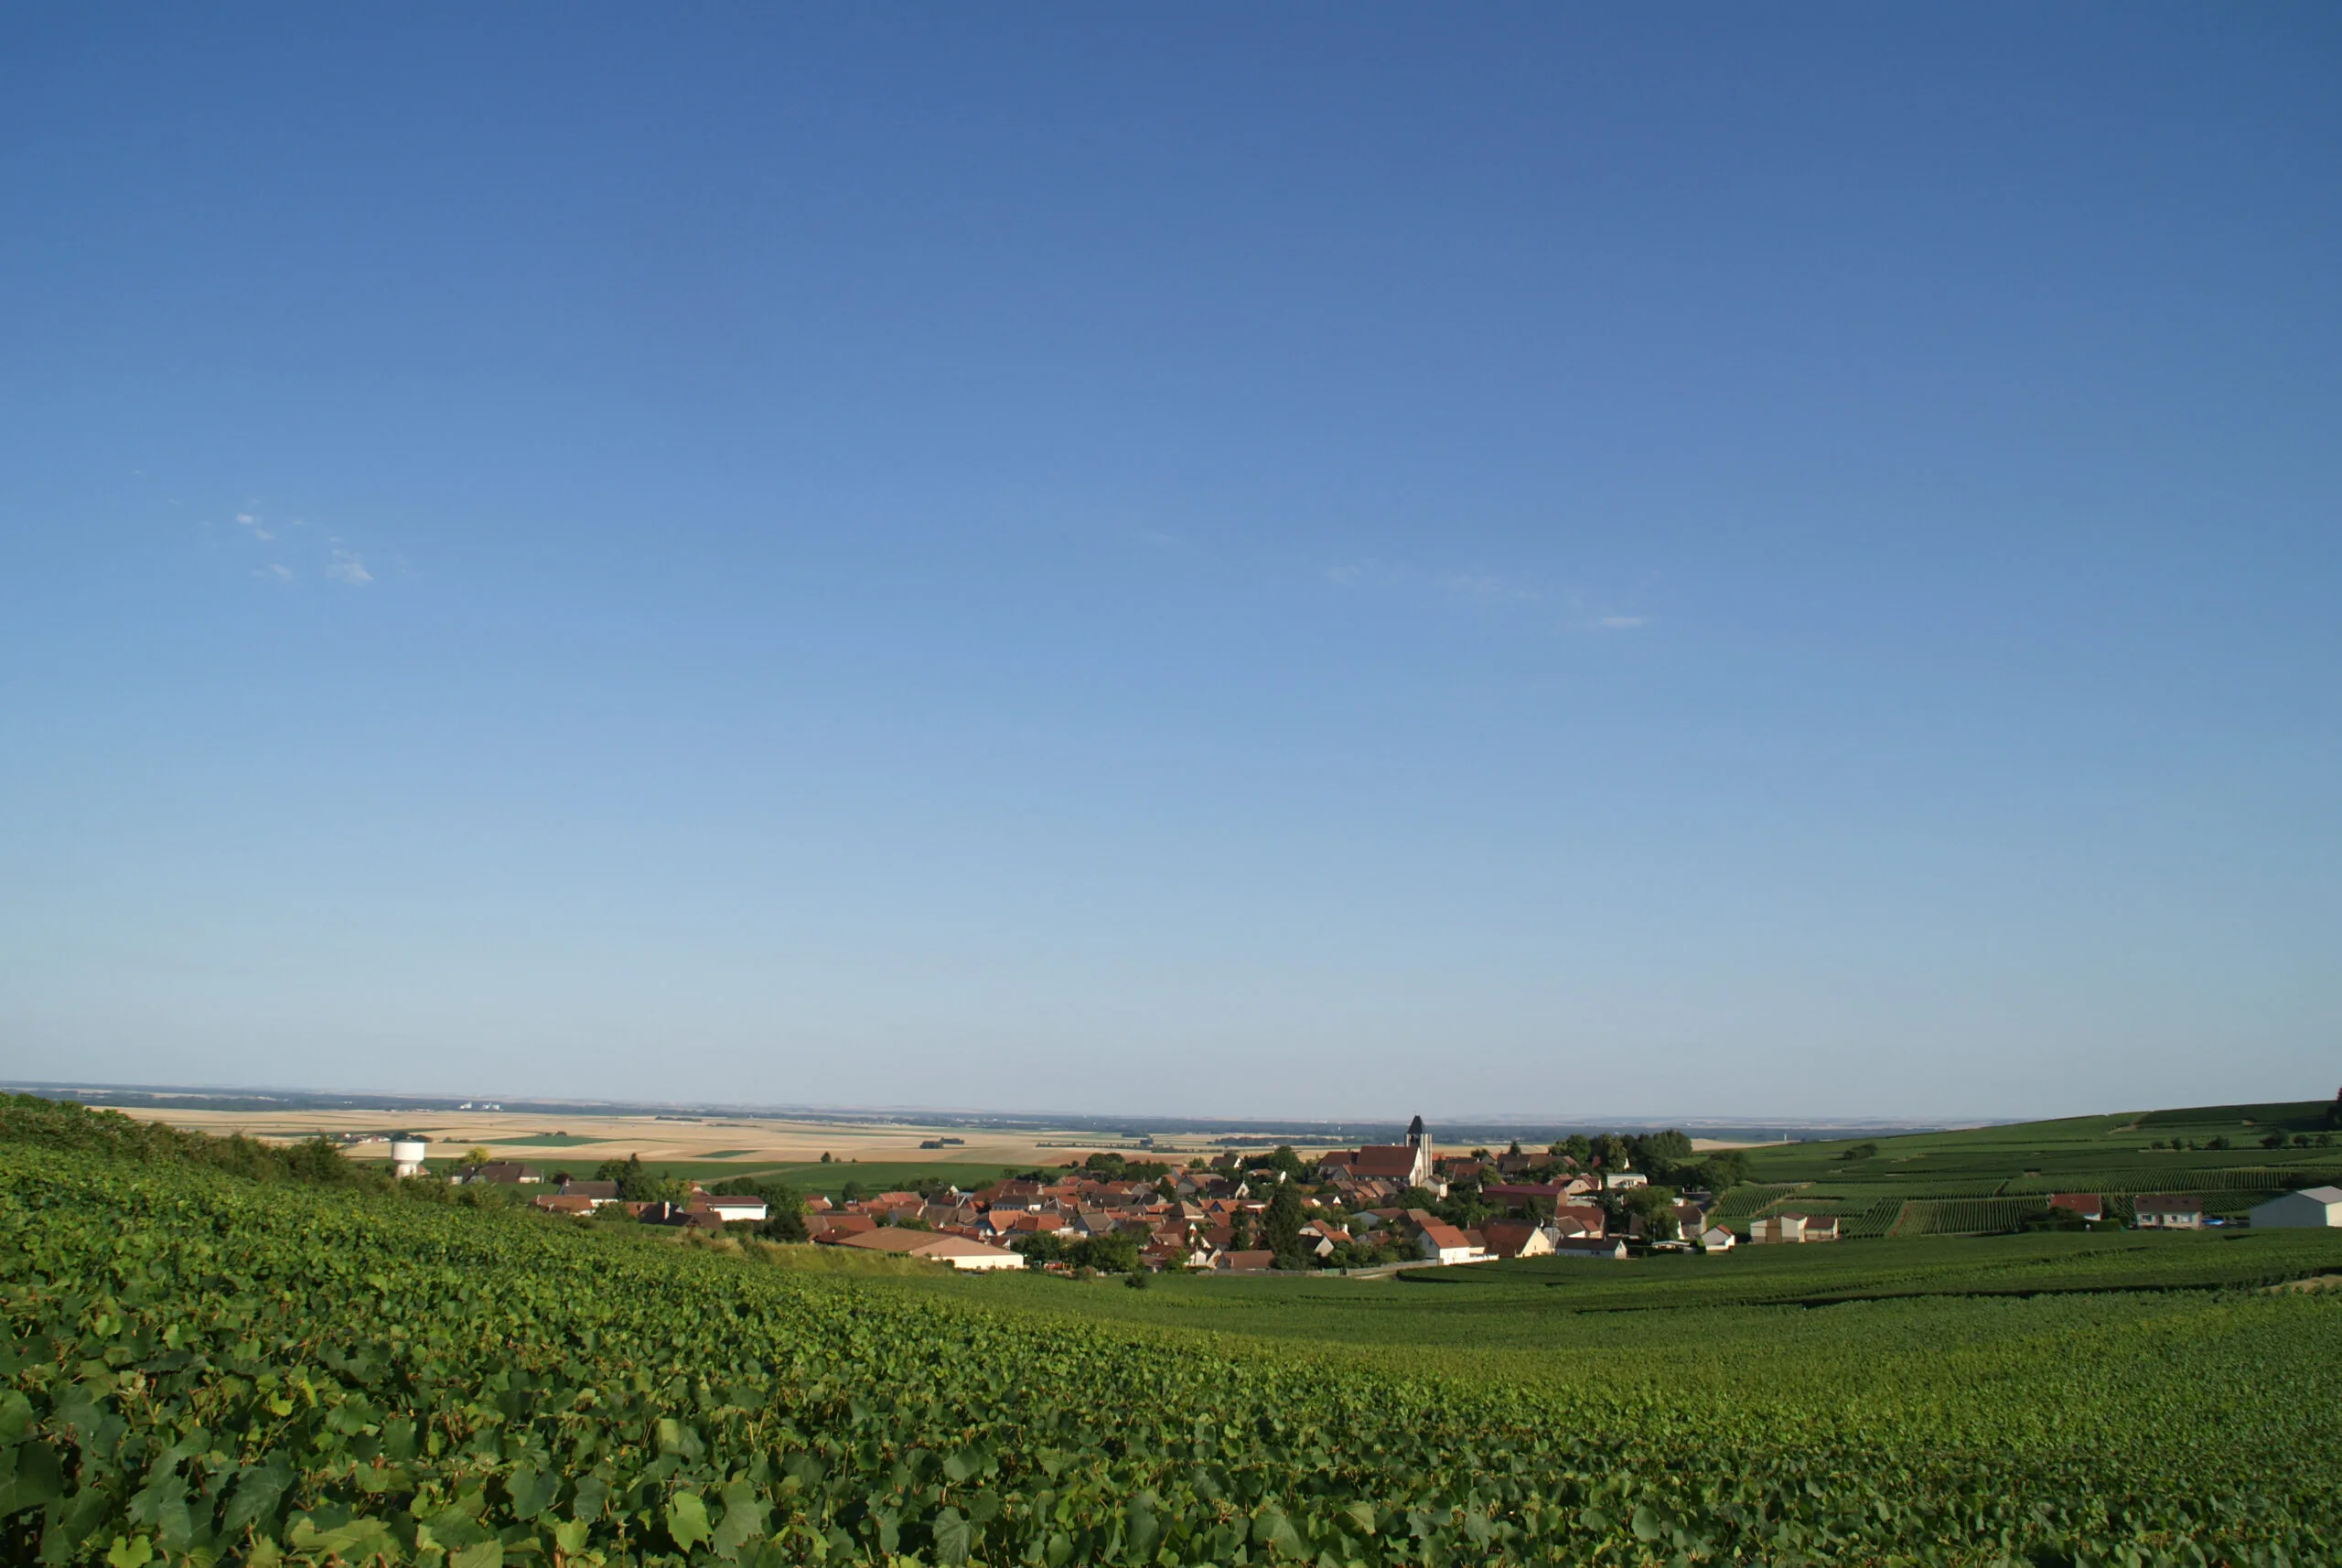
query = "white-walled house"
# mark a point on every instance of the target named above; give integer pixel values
(1793, 1228)
(2167, 1211)
(2310, 1208)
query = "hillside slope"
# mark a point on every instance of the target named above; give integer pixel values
(211, 1369)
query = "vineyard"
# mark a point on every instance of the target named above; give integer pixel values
(203, 1368)
(1964, 1216)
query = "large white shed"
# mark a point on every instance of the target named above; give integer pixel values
(2309, 1208)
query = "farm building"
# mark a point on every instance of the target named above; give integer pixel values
(2167, 1211)
(958, 1251)
(2085, 1205)
(1717, 1239)
(1613, 1249)
(1785, 1229)
(2311, 1207)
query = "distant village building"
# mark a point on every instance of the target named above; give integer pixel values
(1515, 1239)
(2167, 1211)
(1436, 1241)
(1790, 1229)
(2312, 1208)
(503, 1173)
(1613, 1251)
(1409, 1164)
(958, 1252)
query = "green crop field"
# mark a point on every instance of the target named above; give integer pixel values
(219, 1354)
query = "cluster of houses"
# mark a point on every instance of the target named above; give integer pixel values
(1212, 1219)
(1362, 1202)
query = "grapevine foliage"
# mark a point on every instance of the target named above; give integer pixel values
(202, 1369)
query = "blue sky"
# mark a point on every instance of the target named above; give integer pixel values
(1214, 561)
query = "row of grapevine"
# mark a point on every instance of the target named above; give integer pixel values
(2151, 1178)
(1750, 1200)
(1964, 1216)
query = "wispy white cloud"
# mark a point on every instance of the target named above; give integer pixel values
(346, 566)
(1481, 588)
(273, 573)
(253, 521)
(1488, 588)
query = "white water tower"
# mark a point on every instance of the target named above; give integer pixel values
(407, 1155)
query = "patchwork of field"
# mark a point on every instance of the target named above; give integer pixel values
(755, 1145)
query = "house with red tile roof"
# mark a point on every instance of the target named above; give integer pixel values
(1437, 1241)
(1514, 1238)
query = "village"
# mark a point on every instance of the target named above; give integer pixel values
(1370, 1208)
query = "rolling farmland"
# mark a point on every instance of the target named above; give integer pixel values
(204, 1367)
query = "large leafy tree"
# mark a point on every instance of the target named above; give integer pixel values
(1281, 1227)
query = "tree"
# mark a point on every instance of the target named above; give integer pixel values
(825, 1156)
(1107, 1165)
(475, 1156)
(1860, 1152)
(318, 1159)
(1655, 1206)
(1575, 1148)
(637, 1183)
(1115, 1252)
(1281, 1227)
(1616, 1153)
(852, 1192)
(1725, 1168)
(1240, 1232)
(1284, 1160)
(1040, 1248)
(1671, 1146)
(1515, 1147)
